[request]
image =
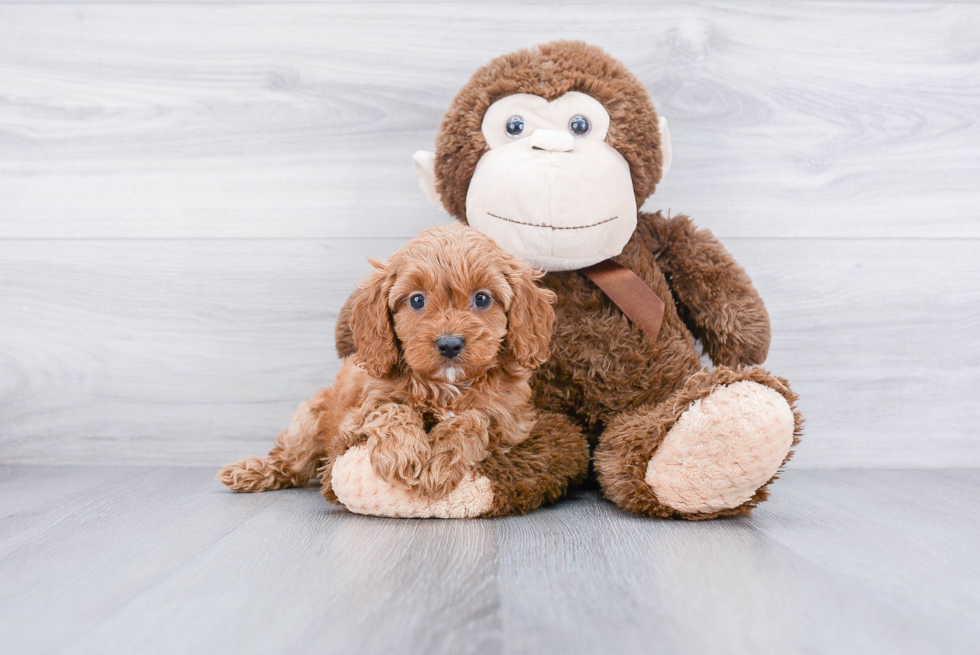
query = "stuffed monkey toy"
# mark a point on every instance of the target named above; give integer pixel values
(551, 151)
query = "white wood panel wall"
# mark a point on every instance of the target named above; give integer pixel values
(188, 192)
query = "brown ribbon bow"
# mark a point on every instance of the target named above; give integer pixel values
(630, 293)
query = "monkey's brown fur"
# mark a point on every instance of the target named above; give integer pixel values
(624, 390)
(425, 431)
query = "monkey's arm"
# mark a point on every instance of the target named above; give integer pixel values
(343, 335)
(718, 302)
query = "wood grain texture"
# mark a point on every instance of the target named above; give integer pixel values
(299, 119)
(188, 191)
(194, 341)
(151, 560)
(198, 352)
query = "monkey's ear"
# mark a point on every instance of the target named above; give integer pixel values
(370, 324)
(665, 146)
(425, 167)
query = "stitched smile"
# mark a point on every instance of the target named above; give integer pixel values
(552, 227)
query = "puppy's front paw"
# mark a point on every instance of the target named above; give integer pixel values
(402, 468)
(395, 440)
(399, 457)
(442, 474)
(459, 444)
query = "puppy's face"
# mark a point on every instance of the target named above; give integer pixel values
(452, 305)
(450, 313)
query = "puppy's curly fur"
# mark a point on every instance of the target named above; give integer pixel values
(426, 419)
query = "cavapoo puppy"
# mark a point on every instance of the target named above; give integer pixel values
(447, 332)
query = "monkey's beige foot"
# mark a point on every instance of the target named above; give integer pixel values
(360, 490)
(254, 474)
(722, 449)
(709, 450)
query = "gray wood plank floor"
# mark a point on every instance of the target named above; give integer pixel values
(148, 560)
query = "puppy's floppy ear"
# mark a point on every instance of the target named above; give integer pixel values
(530, 318)
(371, 324)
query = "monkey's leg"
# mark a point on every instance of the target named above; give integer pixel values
(293, 460)
(508, 481)
(538, 470)
(711, 449)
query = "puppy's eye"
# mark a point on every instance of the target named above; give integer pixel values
(482, 300)
(515, 126)
(417, 301)
(579, 125)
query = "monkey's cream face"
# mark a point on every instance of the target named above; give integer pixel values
(551, 190)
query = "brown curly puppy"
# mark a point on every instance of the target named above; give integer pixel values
(447, 333)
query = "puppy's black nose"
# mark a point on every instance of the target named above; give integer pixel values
(450, 347)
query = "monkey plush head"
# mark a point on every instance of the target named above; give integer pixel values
(550, 151)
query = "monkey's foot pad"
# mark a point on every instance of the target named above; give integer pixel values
(361, 491)
(722, 449)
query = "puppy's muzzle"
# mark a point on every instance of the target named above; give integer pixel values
(450, 346)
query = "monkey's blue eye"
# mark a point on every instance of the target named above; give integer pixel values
(417, 301)
(515, 126)
(579, 125)
(482, 300)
